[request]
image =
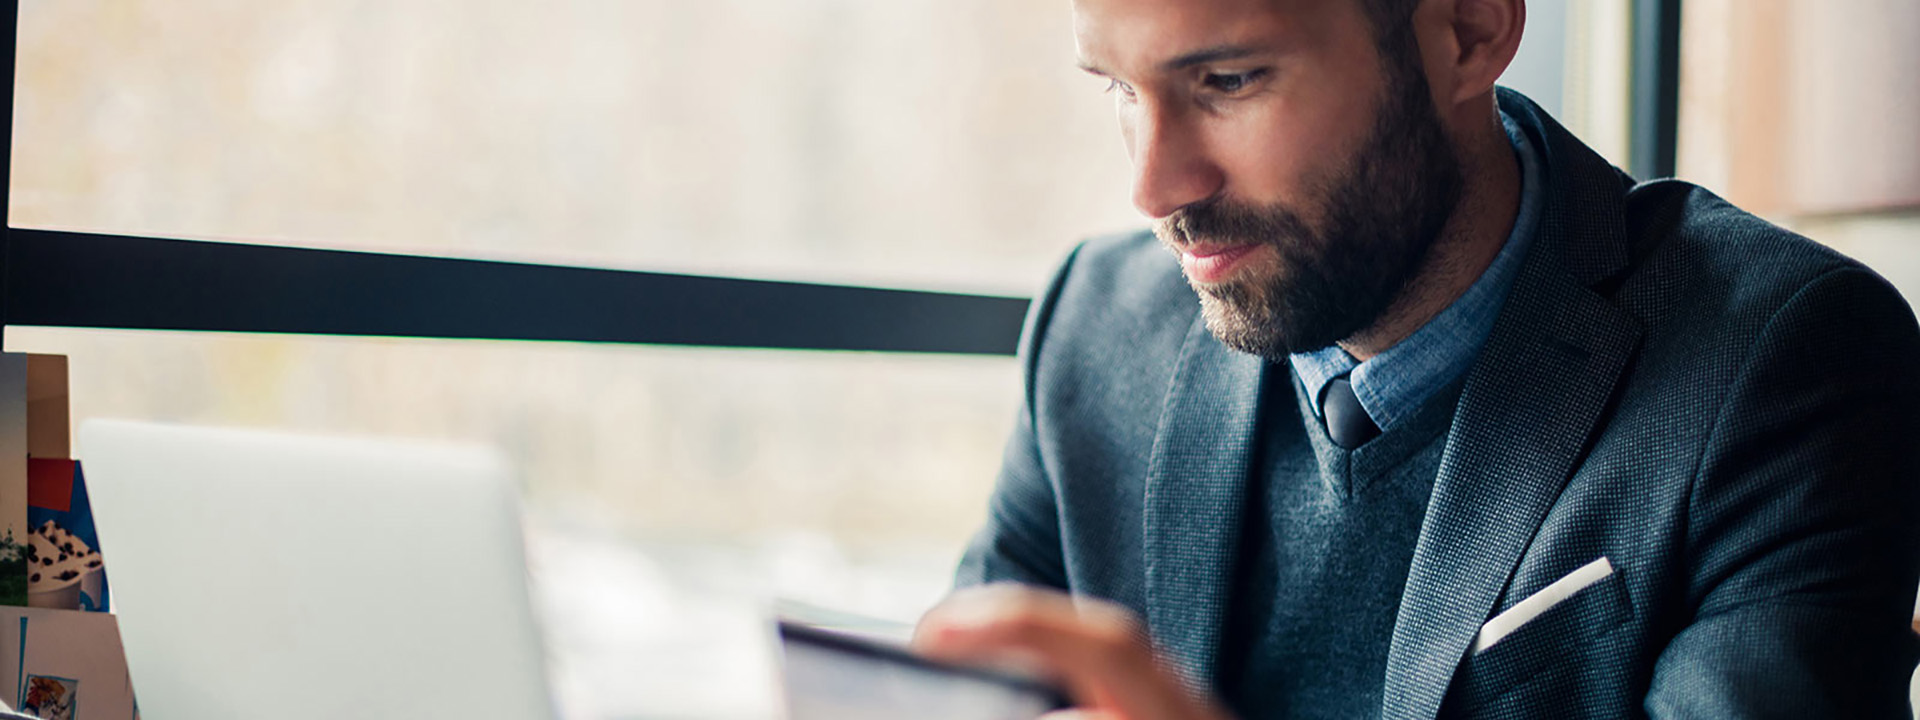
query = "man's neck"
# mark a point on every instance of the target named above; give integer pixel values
(1479, 227)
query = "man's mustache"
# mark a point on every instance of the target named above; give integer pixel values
(1223, 222)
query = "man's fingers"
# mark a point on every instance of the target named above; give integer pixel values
(1001, 622)
(1080, 714)
(1097, 648)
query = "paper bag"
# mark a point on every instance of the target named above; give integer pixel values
(64, 665)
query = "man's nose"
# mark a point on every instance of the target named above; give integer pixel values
(1171, 168)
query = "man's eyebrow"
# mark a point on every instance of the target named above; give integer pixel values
(1217, 53)
(1203, 56)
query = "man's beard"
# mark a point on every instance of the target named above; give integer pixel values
(1382, 214)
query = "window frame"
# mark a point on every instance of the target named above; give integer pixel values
(68, 279)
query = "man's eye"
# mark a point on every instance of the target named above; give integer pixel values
(1230, 83)
(1124, 89)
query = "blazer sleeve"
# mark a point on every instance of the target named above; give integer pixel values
(1802, 546)
(1020, 541)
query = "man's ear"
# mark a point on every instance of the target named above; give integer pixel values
(1470, 43)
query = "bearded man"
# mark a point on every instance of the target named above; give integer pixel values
(1447, 416)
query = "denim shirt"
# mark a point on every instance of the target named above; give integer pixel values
(1393, 384)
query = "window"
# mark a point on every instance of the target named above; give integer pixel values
(896, 143)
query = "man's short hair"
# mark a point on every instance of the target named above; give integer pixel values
(1392, 22)
(1389, 16)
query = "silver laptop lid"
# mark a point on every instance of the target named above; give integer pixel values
(259, 575)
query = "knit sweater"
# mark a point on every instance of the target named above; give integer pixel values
(1328, 540)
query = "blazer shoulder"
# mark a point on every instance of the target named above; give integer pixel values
(1112, 331)
(1120, 290)
(1701, 263)
(1133, 270)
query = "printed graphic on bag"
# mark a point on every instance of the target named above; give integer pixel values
(58, 556)
(64, 567)
(51, 698)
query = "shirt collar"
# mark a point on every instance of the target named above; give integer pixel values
(1393, 384)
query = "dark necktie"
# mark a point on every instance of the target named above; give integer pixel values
(1347, 422)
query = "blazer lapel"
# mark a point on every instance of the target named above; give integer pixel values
(1529, 407)
(1195, 498)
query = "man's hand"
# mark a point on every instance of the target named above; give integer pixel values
(1098, 649)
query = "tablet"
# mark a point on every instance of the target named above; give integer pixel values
(833, 675)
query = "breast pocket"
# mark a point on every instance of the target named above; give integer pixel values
(1561, 624)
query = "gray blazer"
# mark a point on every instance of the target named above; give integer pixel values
(1728, 413)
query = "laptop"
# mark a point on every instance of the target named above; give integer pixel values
(260, 575)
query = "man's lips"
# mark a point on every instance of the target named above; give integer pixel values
(1207, 263)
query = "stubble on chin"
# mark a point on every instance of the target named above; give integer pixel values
(1243, 311)
(1246, 312)
(1242, 315)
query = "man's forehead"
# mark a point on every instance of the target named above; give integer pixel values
(1110, 32)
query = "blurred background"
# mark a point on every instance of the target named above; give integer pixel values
(918, 144)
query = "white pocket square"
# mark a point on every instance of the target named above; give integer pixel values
(1505, 623)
